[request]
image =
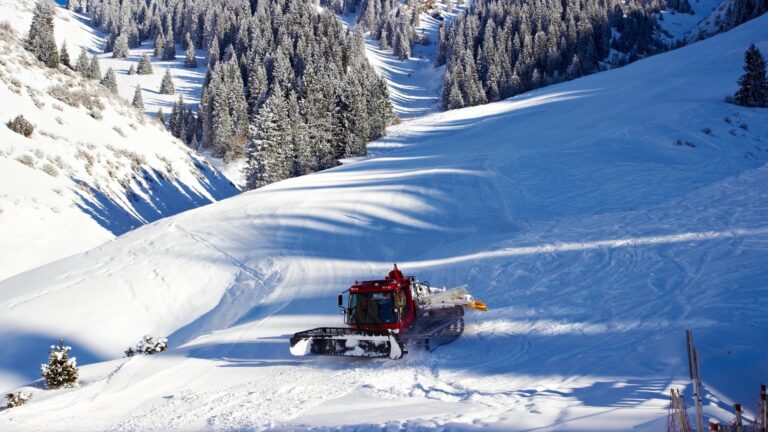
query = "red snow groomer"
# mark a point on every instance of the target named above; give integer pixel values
(385, 316)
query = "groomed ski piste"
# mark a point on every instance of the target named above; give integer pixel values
(598, 219)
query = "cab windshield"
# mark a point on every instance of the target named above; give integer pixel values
(372, 308)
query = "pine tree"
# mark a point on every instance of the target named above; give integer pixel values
(145, 65)
(169, 50)
(61, 370)
(83, 65)
(190, 60)
(120, 48)
(166, 86)
(753, 85)
(159, 45)
(94, 70)
(176, 121)
(132, 70)
(64, 55)
(41, 39)
(159, 116)
(110, 81)
(138, 100)
(267, 155)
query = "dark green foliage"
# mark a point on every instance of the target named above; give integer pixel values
(110, 81)
(753, 85)
(138, 100)
(83, 65)
(166, 86)
(64, 55)
(335, 102)
(145, 65)
(189, 56)
(94, 70)
(41, 39)
(500, 48)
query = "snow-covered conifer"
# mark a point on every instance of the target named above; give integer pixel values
(41, 39)
(190, 60)
(176, 121)
(166, 86)
(753, 85)
(145, 65)
(159, 45)
(83, 65)
(120, 48)
(110, 81)
(61, 370)
(94, 70)
(64, 55)
(138, 100)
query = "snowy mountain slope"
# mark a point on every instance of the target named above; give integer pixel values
(415, 85)
(76, 30)
(94, 168)
(572, 211)
(688, 26)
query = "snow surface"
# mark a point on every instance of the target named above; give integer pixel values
(110, 174)
(76, 29)
(571, 211)
(688, 26)
(415, 84)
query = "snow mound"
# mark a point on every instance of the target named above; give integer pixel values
(597, 218)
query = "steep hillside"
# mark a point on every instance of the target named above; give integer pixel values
(93, 168)
(598, 218)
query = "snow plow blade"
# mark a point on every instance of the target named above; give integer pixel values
(339, 341)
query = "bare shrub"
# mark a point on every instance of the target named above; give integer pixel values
(21, 126)
(50, 170)
(27, 160)
(119, 131)
(76, 97)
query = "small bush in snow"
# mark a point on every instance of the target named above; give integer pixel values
(744, 126)
(707, 131)
(50, 170)
(76, 97)
(21, 126)
(26, 160)
(148, 345)
(61, 370)
(17, 399)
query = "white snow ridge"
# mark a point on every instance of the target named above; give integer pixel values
(598, 219)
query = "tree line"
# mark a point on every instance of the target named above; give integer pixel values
(287, 87)
(500, 48)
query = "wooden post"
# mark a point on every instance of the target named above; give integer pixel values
(763, 408)
(714, 426)
(695, 373)
(739, 420)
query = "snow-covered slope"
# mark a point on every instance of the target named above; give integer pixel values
(93, 168)
(415, 84)
(76, 30)
(598, 219)
(690, 26)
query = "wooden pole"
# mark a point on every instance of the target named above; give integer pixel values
(693, 365)
(763, 408)
(699, 391)
(713, 426)
(739, 420)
